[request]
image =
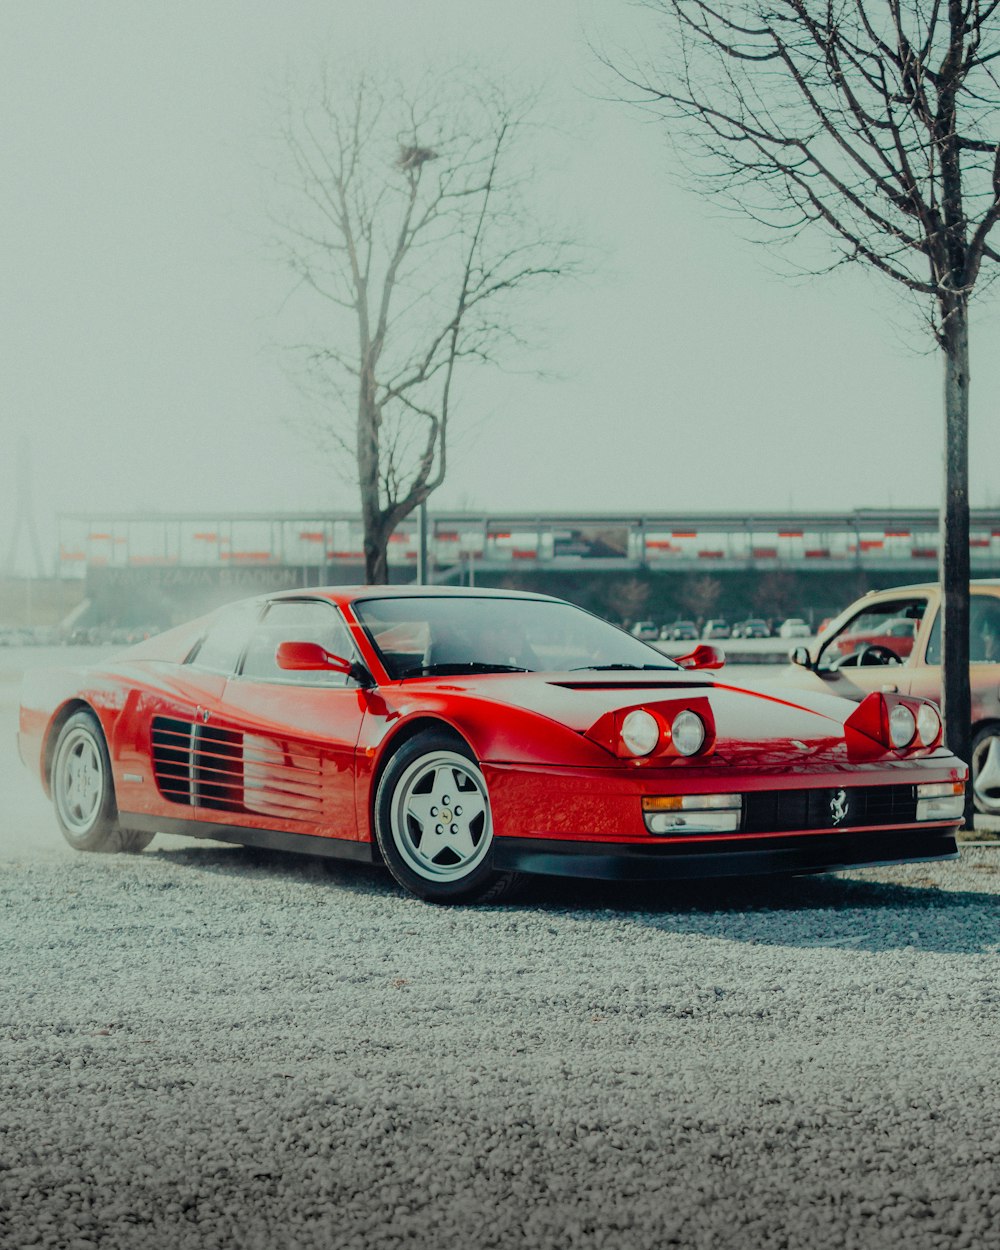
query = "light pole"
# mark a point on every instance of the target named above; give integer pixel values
(422, 543)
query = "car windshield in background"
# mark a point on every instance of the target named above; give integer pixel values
(453, 634)
(882, 633)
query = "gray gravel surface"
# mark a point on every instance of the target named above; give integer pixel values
(206, 1046)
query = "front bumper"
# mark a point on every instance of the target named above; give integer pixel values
(737, 857)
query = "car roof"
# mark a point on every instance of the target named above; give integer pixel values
(895, 590)
(351, 594)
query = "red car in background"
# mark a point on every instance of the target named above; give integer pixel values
(895, 635)
(463, 736)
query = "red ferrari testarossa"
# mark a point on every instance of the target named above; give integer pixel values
(465, 736)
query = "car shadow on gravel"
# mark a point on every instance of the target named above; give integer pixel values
(825, 910)
(851, 912)
(236, 860)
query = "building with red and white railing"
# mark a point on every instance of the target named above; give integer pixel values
(331, 542)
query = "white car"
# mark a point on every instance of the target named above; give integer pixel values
(794, 627)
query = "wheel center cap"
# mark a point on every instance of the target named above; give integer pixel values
(445, 814)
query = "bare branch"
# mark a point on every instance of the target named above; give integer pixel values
(407, 219)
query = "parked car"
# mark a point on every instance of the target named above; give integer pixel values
(891, 640)
(680, 631)
(647, 631)
(460, 737)
(716, 628)
(753, 627)
(794, 627)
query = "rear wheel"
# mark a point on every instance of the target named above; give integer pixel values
(83, 791)
(433, 823)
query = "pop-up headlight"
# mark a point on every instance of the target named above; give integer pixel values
(660, 731)
(885, 721)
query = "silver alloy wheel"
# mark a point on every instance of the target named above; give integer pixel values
(440, 817)
(986, 774)
(79, 781)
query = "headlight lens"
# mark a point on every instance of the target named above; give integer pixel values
(640, 732)
(902, 726)
(928, 724)
(687, 733)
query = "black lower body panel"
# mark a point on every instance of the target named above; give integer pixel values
(806, 853)
(270, 839)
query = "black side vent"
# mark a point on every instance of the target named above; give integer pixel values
(198, 765)
(172, 758)
(218, 768)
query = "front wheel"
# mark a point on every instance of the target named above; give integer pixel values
(433, 823)
(83, 791)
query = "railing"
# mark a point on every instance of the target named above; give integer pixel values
(657, 541)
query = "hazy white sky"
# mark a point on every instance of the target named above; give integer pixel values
(141, 309)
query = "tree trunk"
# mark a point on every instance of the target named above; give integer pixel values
(372, 518)
(376, 564)
(954, 557)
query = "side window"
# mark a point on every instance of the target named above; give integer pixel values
(296, 621)
(984, 632)
(882, 632)
(221, 648)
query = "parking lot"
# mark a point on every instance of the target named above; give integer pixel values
(207, 1046)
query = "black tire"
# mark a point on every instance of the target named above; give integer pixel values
(83, 791)
(986, 792)
(458, 867)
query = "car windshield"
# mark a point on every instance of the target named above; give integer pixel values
(453, 634)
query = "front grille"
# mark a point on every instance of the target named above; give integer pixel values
(778, 811)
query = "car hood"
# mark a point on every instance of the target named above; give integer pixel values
(754, 727)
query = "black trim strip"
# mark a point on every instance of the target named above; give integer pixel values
(611, 861)
(270, 839)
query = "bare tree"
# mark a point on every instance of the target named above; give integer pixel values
(404, 213)
(776, 594)
(877, 121)
(699, 595)
(627, 598)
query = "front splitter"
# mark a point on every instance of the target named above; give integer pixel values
(806, 853)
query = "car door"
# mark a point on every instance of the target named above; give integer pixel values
(168, 756)
(984, 657)
(293, 735)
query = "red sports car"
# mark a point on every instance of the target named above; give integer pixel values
(462, 737)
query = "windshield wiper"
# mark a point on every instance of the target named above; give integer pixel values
(603, 668)
(455, 669)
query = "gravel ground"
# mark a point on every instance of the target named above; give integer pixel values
(207, 1046)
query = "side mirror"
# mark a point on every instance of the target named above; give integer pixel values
(801, 656)
(704, 656)
(310, 657)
